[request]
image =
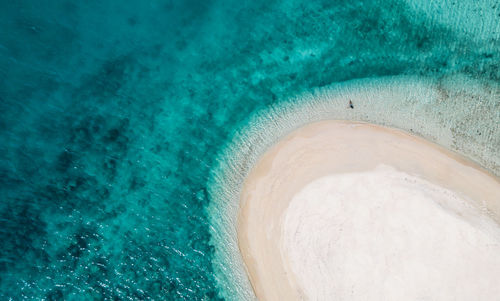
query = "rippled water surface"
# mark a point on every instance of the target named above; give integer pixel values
(113, 115)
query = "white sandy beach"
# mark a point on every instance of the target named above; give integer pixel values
(353, 211)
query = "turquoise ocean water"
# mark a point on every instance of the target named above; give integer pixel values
(119, 123)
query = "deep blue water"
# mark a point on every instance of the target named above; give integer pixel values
(112, 114)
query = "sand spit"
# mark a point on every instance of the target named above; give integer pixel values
(457, 112)
(354, 211)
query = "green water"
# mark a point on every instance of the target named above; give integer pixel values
(120, 121)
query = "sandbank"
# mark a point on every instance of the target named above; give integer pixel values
(354, 211)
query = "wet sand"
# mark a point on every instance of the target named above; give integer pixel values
(423, 211)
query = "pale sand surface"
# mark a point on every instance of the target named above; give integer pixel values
(352, 211)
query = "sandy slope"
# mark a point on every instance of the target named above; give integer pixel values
(420, 220)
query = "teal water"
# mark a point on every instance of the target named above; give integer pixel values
(116, 117)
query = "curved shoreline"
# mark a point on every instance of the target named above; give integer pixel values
(456, 112)
(335, 147)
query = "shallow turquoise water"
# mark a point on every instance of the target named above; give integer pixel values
(113, 115)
